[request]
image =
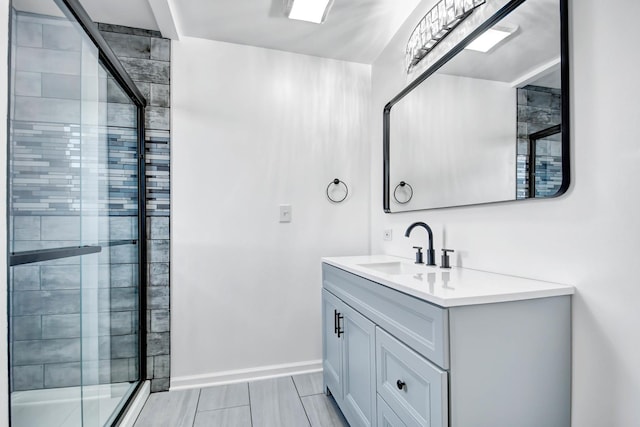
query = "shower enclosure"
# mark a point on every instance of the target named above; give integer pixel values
(76, 222)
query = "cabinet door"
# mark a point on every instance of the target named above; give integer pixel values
(359, 372)
(332, 345)
(386, 416)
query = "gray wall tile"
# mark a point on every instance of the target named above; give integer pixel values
(119, 370)
(61, 326)
(120, 322)
(30, 377)
(145, 89)
(123, 346)
(146, 70)
(124, 299)
(48, 61)
(158, 298)
(161, 366)
(159, 384)
(128, 45)
(61, 228)
(149, 367)
(46, 109)
(160, 95)
(161, 49)
(28, 84)
(60, 277)
(46, 302)
(115, 94)
(127, 30)
(121, 115)
(117, 323)
(29, 34)
(159, 274)
(158, 343)
(60, 86)
(124, 254)
(26, 328)
(122, 275)
(46, 351)
(26, 228)
(157, 118)
(158, 228)
(62, 375)
(25, 278)
(61, 37)
(122, 227)
(160, 321)
(158, 251)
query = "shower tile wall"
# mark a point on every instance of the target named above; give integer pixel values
(539, 108)
(45, 163)
(46, 296)
(146, 56)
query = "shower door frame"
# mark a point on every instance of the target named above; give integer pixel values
(110, 61)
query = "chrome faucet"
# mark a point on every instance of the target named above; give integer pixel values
(431, 255)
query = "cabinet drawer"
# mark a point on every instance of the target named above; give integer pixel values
(386, 416)
(421, 325)
(415, 389)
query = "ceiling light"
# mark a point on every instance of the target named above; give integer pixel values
(490, 38)
(315, 11)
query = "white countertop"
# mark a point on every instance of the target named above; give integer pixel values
(447, 287)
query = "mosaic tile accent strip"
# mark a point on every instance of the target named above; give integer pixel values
(47, 166)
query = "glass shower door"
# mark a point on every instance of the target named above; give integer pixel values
(73, 224)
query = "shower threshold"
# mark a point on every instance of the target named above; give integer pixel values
(62, 407)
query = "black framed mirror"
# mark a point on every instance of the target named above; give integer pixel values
(485, 124)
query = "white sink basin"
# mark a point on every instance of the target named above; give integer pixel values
(396, 267)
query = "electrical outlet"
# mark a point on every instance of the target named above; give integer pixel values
(285, 213)
(388, 235)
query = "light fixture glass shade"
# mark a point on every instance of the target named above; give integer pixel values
(434, 26)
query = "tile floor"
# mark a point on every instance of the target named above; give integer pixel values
(296, 401)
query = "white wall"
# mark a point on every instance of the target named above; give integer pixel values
(4, 44)
(254, 128)
(589, 238)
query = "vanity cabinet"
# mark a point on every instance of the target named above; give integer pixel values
(392, 359)
(349, 360)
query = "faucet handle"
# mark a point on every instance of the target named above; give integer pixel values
(418, 254)
(445, 258)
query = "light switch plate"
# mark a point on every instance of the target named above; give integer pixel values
(388, 235)
(285, 213)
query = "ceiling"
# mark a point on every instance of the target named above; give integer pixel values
(536, 43)
(130, 13)
(355, 30)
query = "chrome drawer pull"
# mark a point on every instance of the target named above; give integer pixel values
(401, 384)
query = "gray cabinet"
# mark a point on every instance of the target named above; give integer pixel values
(349, 360)
(331, 345)
(414, 388)
(391, 359)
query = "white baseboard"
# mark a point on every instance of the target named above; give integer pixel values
(244, 375)
(136, 406)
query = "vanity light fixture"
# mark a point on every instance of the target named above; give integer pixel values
(315, 11)
(490, 38)
(435, 26)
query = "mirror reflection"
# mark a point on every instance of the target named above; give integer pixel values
(487, 125)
